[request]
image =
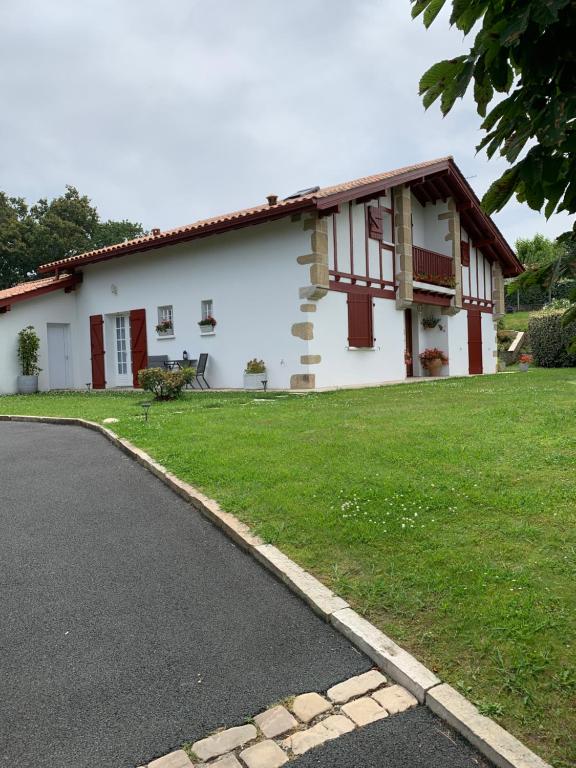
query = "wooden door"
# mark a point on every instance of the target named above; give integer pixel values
(474, 341)
(408, 350)
(97, 351)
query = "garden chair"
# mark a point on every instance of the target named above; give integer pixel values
(200, 369)
(157, 361)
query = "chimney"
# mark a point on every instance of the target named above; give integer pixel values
(272, 199)
(155, 231)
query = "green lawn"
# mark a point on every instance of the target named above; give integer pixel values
(445, 512)
(516, 321)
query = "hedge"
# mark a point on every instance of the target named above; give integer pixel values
(549, 339)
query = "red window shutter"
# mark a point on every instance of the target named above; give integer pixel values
(138, 345)
(465, 253)
(375, 227)
(360, 320)
(97, 351)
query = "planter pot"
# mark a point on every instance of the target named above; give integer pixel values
(254, 380)
(435, 367)
(524, 366)
(204, 329)
(27, 385)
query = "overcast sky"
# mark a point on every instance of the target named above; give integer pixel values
(167, 112)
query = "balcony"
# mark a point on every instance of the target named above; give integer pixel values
(433, 268)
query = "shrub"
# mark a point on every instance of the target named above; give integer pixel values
(255, 366)
(549, 339)
(165, 385)
(28, 347)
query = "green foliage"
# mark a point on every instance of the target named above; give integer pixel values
(525, 50)
(28, 351)
(550, 339)
(255, 366)
(481, 589)
(48, 231)
(165, 385)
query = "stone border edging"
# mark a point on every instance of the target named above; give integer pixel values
(493, 741)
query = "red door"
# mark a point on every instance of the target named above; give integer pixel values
(97, 351)
(138, 344)
(408, 343)
(474, 341)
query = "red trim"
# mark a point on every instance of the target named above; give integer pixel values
(64, 283)
(378, 293)
(359, 278)
(335, 238)
(351, 231)
(408, 344)
(423, 297)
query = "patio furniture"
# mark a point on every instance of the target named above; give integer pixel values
(200, 370)
(157, 361)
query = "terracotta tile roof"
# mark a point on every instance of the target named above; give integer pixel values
(235, 218)
(24, 291)
(29, 287)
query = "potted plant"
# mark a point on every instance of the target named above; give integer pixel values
(28, 349)
(255, 376)
(524, 362)
(432, 360)
(164, 328)
(207, 325)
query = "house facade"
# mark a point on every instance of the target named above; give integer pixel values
(340, 286)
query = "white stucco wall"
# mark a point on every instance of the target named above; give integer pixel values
(252, 277)
(341, 366)
(56, 307)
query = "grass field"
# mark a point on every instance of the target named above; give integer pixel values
(516, 321)
(443, 511)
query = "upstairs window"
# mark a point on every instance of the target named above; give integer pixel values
(360, 332)
(207, 309)
(465, 253)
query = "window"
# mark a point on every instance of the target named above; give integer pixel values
(165, 325)
(121, 346)
(360, 320)
(374, 222)
(207, 309)
(465, 253)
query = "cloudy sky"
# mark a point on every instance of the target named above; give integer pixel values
(167, 112)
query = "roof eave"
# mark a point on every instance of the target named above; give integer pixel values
(66, 284)
(174, 238)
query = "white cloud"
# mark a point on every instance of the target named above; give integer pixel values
(168, 112)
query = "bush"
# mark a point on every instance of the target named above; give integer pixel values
(549, 339)
(28, 351)
(165, 385)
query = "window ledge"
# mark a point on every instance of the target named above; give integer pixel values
(362, 349)
(165, 336)
(210, 333)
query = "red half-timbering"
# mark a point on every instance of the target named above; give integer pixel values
(138, 343)
(474, 341)
(97, 351)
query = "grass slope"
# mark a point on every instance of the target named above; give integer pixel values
(444, 512)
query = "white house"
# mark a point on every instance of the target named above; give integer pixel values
(338, 286)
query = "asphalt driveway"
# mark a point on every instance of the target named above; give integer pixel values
(130, 624)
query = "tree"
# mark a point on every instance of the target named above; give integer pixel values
(53, 230)
(523, 49)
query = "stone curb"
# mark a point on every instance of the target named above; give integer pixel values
(493, 741)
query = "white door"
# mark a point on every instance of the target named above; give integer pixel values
(122, 361)
(59, 363)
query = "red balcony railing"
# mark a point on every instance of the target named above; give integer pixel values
(432, 267)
